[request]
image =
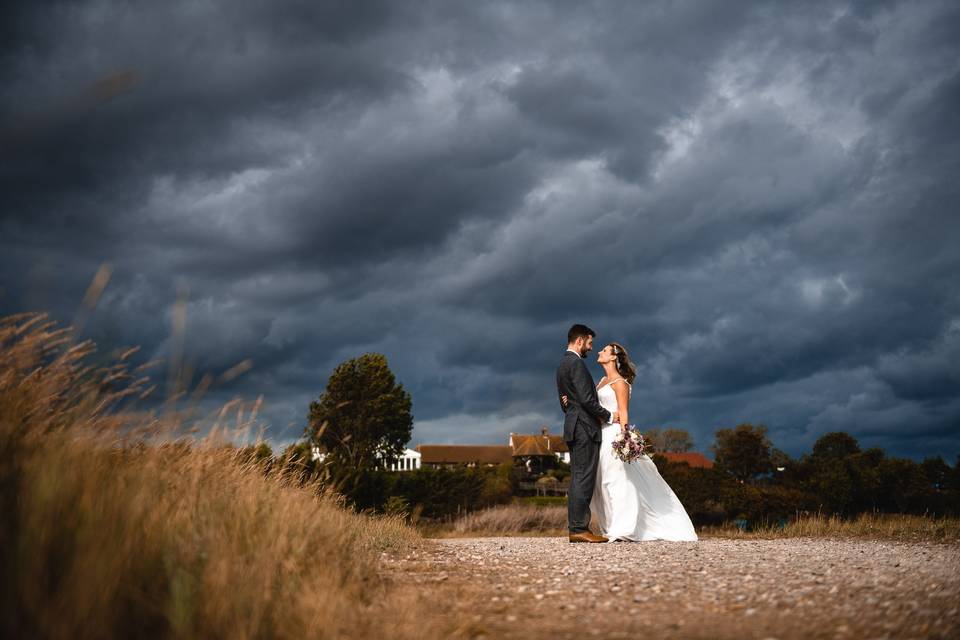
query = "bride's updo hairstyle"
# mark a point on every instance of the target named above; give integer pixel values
(625, 367)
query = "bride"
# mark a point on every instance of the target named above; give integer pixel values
(631, 501)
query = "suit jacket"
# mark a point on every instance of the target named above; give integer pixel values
(575, 382)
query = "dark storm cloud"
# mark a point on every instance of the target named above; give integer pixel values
(759, 200)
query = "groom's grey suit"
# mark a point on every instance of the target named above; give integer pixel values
(581, 431)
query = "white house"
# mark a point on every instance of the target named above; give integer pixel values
(409, 461)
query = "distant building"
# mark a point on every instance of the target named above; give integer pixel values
(541, 446)
(409, 461)
(471, 455)
(693, 459)
(536, 452)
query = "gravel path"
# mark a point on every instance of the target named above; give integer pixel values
(714, 588)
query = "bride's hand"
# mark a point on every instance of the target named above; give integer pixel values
(564, 401)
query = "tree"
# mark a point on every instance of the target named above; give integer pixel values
(783, 468)
(866, 467)
(953, 480)
(835, 445)
(361, 421)
(835, 468)
(834, 482)
(654, 436)
(779, 459)
(903, 485)
(743, 452)
(670, 439)
(937, 472)
(952, 494)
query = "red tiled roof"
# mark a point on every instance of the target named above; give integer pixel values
(558, 445)
(541, 445)
(693, 459)
(529, 446)
(464, 453)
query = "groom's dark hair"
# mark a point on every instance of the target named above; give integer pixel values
(579, 331)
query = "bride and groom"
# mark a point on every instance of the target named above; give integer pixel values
(629, 501)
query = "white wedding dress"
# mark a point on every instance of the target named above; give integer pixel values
(632, 501)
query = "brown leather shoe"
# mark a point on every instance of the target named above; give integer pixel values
(586, 536)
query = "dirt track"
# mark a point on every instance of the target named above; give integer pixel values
(714, 588)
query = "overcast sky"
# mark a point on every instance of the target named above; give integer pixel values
(760, 200)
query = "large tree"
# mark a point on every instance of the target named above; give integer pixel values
(677, 440)
(835, 445)
(743, 452)
(669, 439)
(361, 421)
(843, 479)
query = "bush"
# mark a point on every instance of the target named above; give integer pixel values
(764, 503)
(438, 492)
(696, 488)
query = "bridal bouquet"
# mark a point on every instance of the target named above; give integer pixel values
(630, 444)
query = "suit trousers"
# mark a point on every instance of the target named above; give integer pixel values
(584, 459)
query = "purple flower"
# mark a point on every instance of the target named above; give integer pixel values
(630, 444)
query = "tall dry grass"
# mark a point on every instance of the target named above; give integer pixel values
(530, 520)
(507, 520)
(109, 529)
(873, 526)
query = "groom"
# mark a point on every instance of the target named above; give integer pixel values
(581, 430)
